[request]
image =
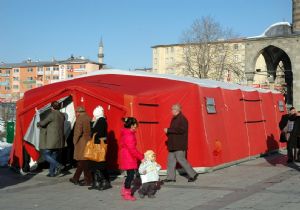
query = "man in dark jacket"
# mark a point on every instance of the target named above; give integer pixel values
(52, 140)
(293, 141)
(177, 145)
(286, 125)
(285, 118)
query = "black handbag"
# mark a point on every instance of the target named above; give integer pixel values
(282, 137)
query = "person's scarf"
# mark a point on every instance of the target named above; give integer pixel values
(98, 113)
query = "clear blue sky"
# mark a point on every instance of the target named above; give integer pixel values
(42, 29)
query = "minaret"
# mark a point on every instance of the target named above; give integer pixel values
(100, 52)
(296, 16)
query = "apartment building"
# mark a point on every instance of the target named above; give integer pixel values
(17, 78)
(169, 59)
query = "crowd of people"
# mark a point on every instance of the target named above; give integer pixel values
(132, 161)
(136, 164)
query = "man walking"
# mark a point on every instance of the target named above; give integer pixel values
(177, 145)
(52, 140)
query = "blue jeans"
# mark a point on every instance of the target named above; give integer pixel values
(51, 157)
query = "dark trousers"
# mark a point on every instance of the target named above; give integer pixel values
(100, 167)
(291, 150)
(82, 166)
(129, 178)
(148, 188)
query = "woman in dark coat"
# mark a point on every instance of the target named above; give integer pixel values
(100, 174)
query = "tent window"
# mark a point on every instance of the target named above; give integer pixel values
(281, 106)
(210, 105)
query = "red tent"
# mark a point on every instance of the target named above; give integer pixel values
(227, 122)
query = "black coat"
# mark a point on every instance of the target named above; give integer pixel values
(100, 129)
(178, 133)
(283, 122)
(295, 134)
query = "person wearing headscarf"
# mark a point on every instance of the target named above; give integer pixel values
(99, 128)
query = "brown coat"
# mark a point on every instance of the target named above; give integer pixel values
(178, 133)
(82, 132)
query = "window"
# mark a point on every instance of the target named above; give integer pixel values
(281, 106)
(29, 86)
(69, 67)
(172, 49)
(40, 69)
(16, 70)
(70, 75)
(210, 105)
(7, 88)
(15, 87)
(167, 50)
(16, 78)
(82, 66)
(55, 68)
(29, 78)
(236, 58)
(47, 77)
(7, 71)
(236, 46)
(171, 60)
(48, 69)
(55, 77)
(29, 69)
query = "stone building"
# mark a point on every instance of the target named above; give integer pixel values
(270, 60)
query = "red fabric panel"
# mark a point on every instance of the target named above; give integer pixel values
(34, 154)
(214, 126)
(254, 120)
(271, 124)
(235, 127)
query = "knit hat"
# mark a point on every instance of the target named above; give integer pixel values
(98, 112)
(80, 109)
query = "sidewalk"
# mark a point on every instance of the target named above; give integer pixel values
(264, 183)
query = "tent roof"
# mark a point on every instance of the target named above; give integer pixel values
(201, 82)
(128, 82)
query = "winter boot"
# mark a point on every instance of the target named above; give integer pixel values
(128, 195)
(123, 189)
(104, 185)
(96, 183)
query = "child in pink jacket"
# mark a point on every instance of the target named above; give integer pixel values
(129, 155)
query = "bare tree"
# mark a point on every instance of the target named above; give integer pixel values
(206, 54)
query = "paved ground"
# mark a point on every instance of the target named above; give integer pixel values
(264, 183)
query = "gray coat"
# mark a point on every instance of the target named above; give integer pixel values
(52, 131)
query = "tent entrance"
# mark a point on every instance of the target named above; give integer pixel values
(32, 135)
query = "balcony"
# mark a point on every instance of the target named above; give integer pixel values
(29, 82)
(4, 75)
(40, 72)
